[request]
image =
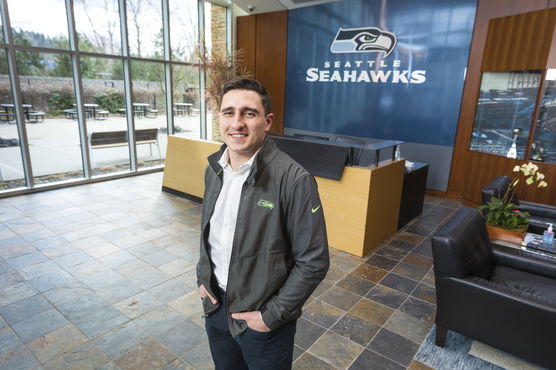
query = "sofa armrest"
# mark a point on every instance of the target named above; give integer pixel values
(499, 316)
(524, 261)
(539, 209)
(496, 188)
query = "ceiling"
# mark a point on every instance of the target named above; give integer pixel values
(265, 6)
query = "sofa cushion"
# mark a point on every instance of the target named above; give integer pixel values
(537, 285)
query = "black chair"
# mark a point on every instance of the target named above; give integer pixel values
(501, 296)
(539, 214)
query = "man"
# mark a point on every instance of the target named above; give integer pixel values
(263, 238)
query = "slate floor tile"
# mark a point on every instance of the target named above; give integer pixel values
(410, 271)
(320, 289)
(387, 296)
(399, 283)
(121, 339)
(408, 326)
(355, 329)
(380, 261)
(370, 273)
(59, 341)
(418, 308)
(426, 293)
(369, 360)
(307, 333)
(18, 358)
(169, 290)
(322, 313)
(182, 337)
(148, 355)
(371, 311)
(199, 357)
(25, 308)
(40, 324)
(14, 293)
(308, 361)
(335, 350)
(340, 298)
(394, 347)
(86, 356)
(138, 305)
(356, 285)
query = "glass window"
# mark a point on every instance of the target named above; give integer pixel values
(39, 23)
(543, 147)
(48, 97)
(104, 105)
(504, 112)
(11, 164)
(184, 33)
(186, 95)
(98, 26)
(149, 108)
(144, 25)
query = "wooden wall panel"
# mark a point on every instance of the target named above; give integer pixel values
(263, 37)
(271, 61)
(519, 42)
(470, 171)
(247, 28)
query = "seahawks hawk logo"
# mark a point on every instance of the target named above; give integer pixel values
(363, 40)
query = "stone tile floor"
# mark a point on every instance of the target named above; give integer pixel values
(101, 276)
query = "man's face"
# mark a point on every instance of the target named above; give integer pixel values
(243, 123)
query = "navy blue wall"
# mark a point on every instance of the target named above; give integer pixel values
(419, 98)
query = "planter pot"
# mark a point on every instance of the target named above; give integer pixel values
(511, 236)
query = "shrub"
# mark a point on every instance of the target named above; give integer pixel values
(110, 100)
(60, 100)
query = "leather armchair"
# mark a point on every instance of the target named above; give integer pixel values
(539, 214)
(501, 296)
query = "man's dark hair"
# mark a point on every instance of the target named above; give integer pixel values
(251, 85)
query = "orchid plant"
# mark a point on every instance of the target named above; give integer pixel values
(505, 214)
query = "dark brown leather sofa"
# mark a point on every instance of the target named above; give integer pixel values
(497, 295)
(539, 214)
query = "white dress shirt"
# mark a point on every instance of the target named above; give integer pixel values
(224, 217)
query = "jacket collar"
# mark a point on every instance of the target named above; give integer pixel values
(264, 157)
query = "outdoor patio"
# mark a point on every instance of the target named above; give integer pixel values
(55, 148)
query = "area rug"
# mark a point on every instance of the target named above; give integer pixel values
(461, 352)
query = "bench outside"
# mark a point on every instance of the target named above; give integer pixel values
(34, 116)
(111, 139)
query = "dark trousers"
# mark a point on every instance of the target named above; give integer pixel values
(250, 349)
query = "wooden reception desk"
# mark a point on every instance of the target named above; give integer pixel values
(361, 209)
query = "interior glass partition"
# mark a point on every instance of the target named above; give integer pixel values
(543, 147)
(504, 112)
(11, 165)
(48, 94)
(149, 109)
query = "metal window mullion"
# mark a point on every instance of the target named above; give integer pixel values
(202, 74)
(168, 68)
(229, 34)
(16, 96)
(78, 86)
(128, 87)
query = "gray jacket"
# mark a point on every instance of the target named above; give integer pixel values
(280, 250)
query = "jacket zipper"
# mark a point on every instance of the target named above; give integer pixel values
(233, 250)
(218, 173)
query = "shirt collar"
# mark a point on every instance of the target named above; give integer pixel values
(224, 160)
